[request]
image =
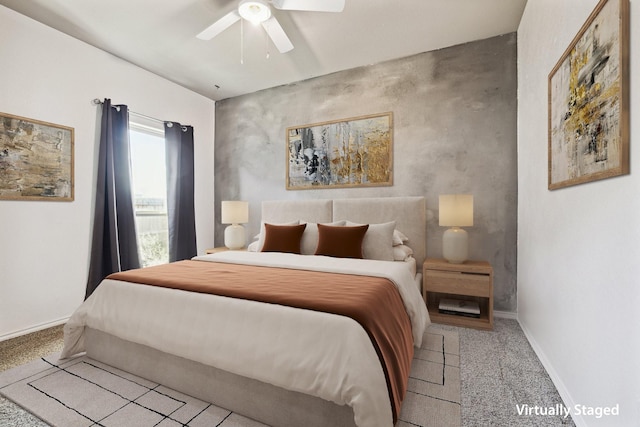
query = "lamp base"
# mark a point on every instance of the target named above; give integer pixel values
(234, 237)
(455, 245)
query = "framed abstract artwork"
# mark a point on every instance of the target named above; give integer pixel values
(36, 160)
(589, 101)
(354, 152)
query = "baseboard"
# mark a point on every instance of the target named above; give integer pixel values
(35, 328)
(505, 314)
(578, 420)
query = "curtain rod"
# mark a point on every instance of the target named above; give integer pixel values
(96, 101)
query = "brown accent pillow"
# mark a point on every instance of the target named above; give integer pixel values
(282, 238)
(341, 242)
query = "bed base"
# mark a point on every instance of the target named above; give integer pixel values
(260, 401)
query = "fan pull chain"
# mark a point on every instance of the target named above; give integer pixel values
(242, 41)
(266, 44)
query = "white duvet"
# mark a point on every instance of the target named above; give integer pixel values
(324, 355)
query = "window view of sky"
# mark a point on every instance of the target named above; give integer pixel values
(148, 165)
(149, 184)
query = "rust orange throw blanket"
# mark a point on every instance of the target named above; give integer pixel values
(373, 302)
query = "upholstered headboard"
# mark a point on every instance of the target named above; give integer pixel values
(407, 212)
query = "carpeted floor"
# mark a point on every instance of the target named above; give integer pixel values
(20, 350)
(499, 370)
(16, 352)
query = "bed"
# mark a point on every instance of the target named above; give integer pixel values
(283, 366)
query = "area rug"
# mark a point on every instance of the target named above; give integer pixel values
(84, 392)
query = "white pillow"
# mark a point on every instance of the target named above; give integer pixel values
(253, 246)
(262, 232)
(402, 252)
(378, 241)
(309, 241)
(399, 238)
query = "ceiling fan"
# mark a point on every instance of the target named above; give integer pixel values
(259, 12)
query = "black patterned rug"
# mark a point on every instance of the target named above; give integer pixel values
(84, 392)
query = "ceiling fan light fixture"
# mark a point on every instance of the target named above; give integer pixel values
(254, 11)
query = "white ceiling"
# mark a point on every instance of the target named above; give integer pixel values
(159, 36)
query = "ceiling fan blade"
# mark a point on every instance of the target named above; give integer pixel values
(277, 34)
(219, 26)
(310, 5)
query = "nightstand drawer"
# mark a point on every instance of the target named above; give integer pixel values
(470, 281)
(460, 283)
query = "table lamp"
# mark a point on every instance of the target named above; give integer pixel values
(456, 210)
(235, 213)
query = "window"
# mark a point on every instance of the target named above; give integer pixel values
(149, 184)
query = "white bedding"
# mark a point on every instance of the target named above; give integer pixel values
(320, 354)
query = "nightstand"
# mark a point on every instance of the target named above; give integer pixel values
(221, 249)
(470, 281)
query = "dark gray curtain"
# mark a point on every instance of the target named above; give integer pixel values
(114, 245)
(180, 190)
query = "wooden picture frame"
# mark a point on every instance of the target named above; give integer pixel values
(354, 152)
(588, 129)
(36, 160)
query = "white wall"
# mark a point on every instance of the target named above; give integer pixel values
(578, 247)
(44, 246)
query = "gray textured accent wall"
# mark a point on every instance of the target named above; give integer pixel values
(455, 121)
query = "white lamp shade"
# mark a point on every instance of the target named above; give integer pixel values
(456, 210)
(235, 212)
